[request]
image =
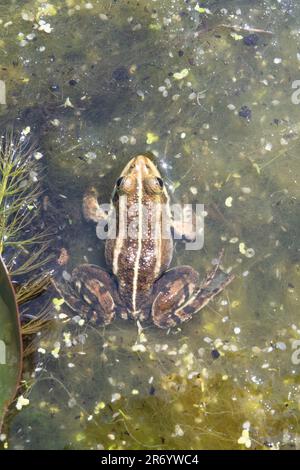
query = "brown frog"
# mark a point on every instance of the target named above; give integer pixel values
(139, 284)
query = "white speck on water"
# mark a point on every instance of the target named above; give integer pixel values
(268, 147)
(246, 190)
(228, 201)
(280, 345)
(138, 348)
(237, 330)
(207, 340)
(277, 60)
(115, 397)
(178, 431)
(250, 252)
(256, 380)
(124, 139)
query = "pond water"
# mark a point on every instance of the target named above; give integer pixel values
(97, 82)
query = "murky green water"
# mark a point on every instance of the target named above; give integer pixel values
(95, 83)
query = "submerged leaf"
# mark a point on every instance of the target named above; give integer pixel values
(10, 343)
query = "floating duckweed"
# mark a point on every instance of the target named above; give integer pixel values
(80, 437)
(46, 9)
(57, 303)
(100, 406)
(151, 138)
(180, 75)
(236, 37)
(242, 248)
(138, 348)
(56, 350)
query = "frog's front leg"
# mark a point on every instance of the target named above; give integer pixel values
(179, 294)
(91, 292)
(90, 207)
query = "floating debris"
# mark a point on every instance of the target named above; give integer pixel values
(228, 201)
(251, 39)
(245, 439)
(21, 402)
(152, 138)
(245, 112)
(180, 75)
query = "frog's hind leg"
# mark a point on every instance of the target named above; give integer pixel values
(90, 293)
(180, 295)
(171, 291)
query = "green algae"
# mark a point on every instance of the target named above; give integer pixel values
(94, 387)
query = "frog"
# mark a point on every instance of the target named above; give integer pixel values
(138, 283)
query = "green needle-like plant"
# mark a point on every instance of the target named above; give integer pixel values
(23, 240)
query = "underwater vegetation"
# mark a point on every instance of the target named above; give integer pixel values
(23, 252)
(207, 88)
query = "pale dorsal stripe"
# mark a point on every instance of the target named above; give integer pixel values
(122, 232)
(140, 236)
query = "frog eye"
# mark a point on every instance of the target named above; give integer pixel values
(160, 182)
(154, 185)
(119, 182)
